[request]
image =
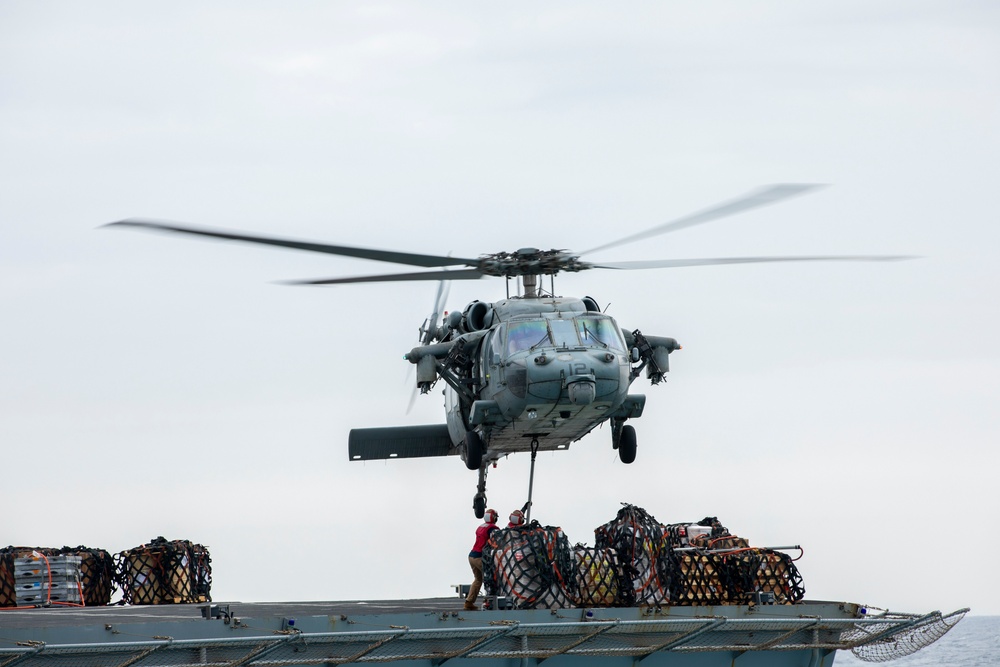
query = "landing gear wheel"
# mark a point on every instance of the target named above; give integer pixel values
(626, 444)
(473, 450)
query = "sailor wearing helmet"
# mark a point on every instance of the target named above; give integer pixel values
(476, 557)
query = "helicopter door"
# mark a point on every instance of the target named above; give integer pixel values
(453, 417)
(489, 363)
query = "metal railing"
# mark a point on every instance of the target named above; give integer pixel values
(498, 640)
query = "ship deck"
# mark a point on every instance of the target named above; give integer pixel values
(437, 631)
(36, 618)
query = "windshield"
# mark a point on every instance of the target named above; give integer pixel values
(523, 335)
(563, 333)
(528, 334)
(600, 330)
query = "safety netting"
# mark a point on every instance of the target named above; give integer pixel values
(164, 572)
(531, 565)
(882, 643)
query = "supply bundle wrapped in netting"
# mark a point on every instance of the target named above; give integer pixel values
(8, 594)
(698, 578)
(165, 572)
(713, 566)
(96, 572)
(600, 579)
(532, 565)
(638, 539)
(694, 563)
(636, 560)
(763, 571)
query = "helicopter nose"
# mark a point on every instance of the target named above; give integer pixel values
(581, 392)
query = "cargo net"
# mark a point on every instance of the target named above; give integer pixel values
(96, 572)
(600, 579)
(694, 563)
(910, 639)
(8, 593)
(724, 569)
(164, 572)
(532, 565)
(732, 578)
(638, 539)
(697, 578)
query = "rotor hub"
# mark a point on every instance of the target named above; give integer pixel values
(530, 262)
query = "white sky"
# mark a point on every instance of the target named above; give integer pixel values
(152, 385)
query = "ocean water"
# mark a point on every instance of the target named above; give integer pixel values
(975, 641)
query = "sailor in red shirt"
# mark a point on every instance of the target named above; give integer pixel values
(476, 557)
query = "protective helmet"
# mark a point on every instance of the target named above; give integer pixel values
(490, 516)
(517, 518)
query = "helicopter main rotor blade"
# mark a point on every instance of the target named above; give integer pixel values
(675, 263)
(348, 251)
(761, 197)
(461, 274)
(444, 287)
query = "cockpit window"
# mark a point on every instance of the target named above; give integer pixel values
(523, 335)
(591, 331)
(600, 330)
(497, 340)
(563, 333)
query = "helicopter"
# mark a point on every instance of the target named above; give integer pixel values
(533, 371)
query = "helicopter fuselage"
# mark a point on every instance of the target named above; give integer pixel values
(547, 369)
(524, 374)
